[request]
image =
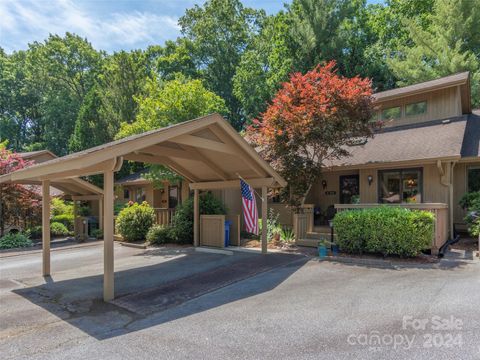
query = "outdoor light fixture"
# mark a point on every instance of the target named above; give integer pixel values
(370, 180)
(324, 184)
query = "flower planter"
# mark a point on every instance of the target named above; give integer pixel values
(322, 251)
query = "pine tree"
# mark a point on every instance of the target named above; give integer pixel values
(450, 44)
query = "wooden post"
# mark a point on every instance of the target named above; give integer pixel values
(46, 227)
(264, 219)
(100, 213)
(75, 228)
(108, 270)
(196, 217)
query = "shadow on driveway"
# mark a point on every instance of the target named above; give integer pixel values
(142, 292)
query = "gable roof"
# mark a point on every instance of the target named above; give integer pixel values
(206, 149)
(435, 140)
(461, 79)
(471, 139)
(132, 179)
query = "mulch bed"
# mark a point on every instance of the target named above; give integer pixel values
(466, 243)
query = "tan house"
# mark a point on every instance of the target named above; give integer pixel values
(164, 198)
(426, 156)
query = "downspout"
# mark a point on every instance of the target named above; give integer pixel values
(449, 175)
(450, 205)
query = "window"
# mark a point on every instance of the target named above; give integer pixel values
(140, 195)
(400, 186)
(173, 197)
(392, 113)
(126, 194)
(416, 109)
(473, 178)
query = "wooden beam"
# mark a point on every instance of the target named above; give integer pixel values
(202, 157)
(264, 219)
(186, 152)
(179, 169)
(159, 150)
(239, 151)
(231, 184)
(87, 171)
(203, 143)
(79, 161)
(46, 228)
(86, 197)
(108, 247)
(196, 218)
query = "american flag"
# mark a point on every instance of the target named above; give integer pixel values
(250, 212)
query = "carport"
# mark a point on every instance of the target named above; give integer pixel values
(207, 151)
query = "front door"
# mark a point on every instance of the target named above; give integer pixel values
(349, 189)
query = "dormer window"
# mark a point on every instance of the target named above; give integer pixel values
(416, 109)
(391, 113)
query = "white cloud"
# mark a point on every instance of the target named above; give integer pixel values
(25, 21)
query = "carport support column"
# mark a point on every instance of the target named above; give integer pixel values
(108, 273)
(100, 213)
(196, 218)
(46, 227)
(264, 219)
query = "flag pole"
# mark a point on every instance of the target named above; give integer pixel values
(245, 181)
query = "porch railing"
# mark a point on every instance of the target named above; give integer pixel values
(164, 216)
(439, 210)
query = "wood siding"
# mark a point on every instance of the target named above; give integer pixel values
(441, 104)
(212, 230)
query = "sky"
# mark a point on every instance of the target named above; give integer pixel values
(110, 25)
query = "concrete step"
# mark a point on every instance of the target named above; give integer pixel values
(320, 236)
(307, 242)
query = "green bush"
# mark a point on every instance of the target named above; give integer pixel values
(182, 225)
(61, 207)
(34, 232)
(65, 219)
(97, 233)
(159, 234)
(384, 230)
(16, 240)
(134, 221)
(471, 203)
(59, 229)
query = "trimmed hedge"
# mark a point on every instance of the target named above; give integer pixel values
(134, 221)
(384, 230)
(159, 234)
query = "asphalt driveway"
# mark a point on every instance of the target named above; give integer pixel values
(289, 307)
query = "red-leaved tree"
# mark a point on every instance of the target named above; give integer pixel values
(311, 120)
(17, 203)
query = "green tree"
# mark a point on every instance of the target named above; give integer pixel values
(219, 32)
(91, 129)
(167, 103)
(264, 66)
(320, 33)
(171, 102)
(450, 44)
(176, 58)
(62, 71)
(20, 118)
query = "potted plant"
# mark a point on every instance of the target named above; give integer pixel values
(334, 249)
(322, 249)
